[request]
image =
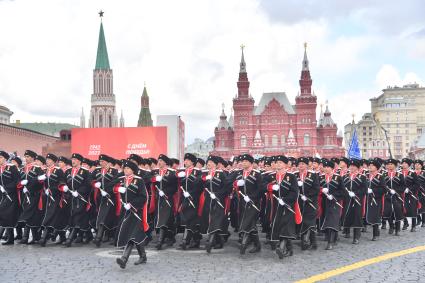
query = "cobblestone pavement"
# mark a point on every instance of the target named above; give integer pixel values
(85, 263)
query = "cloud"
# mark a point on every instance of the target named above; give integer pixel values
(388, 75)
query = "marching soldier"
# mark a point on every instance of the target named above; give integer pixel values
(410, 194)
(421, 190)
(375, 192)
(393, 202)
(284, 187)
(332, 193)
(218, 203)
(355, 188)
(57, 211)
(133, 198)
(31, 198)
(104, 179)
(191, 186)
(78, 184)
(248, 186)
(308, 184)
(9, 206)
(164, 181)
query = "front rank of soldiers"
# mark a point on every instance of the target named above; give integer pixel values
(131, 202)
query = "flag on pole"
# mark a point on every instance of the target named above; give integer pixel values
(354, 150)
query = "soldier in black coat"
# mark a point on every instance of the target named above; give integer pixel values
(9, 206)
(31, 186)
(420, 173)
(191, 187)
(56, 215)
(249, 186)
(393, 202)
(308, 184)
(374, 197)
(133, 197)
(332, 194)
(104, 180)
(164, 181)
(410, 194)
(355, 190)
(284, 188)
(78, 185)
(217, 202)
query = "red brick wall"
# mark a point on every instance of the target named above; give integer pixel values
(18, 140)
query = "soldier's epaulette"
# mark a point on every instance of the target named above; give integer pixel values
(121, 177)
(136, 177)
(10, 164)
(181, 168)
(205, 171)
(35, 166)
(293, 172)
(171, 169)
(197, 169)
(57, 167)
(98, 167)
(255, 170)
(311, 171)
(218, 170)
(268, 172)
(84, 168)
(289, 172)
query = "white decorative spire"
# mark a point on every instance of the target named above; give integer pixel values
(242, 68)
(122, 124)
(305, 60)
(82, 119)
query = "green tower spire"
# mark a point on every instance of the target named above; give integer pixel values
(102, 60)
(145, 119)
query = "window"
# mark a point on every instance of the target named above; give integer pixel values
(306, 139)
(222, 143)
(282, 140)
(100, 121)
(110, 121)
(274, 140)
(266, 140)
(243, 141)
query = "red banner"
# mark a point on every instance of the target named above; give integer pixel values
(119, 142)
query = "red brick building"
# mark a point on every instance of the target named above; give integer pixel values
(275, 126)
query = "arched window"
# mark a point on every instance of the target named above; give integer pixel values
(282, 140)
(100, 120)
(110, 120)
(274, 140)
(243, 141)
(266, 140)
(306, 139)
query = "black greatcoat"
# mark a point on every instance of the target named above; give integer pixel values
(217, 217)
(332, 211)
(9, 205)
(192, 183)
(106, 216)
(57, 210)
(32, 210)
(164, 214)
(393, 204)
(309, 186)
(411, 198)
(421, 189)
(283, 225)
(353, 217)
(374, 200)
(132, 229)
(79, 181)
(254, 189)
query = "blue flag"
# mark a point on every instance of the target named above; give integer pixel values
(354, 150)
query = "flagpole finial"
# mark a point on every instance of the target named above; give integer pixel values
(353, 115)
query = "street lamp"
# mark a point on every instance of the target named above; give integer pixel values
(385, 132)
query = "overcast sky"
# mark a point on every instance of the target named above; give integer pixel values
(188, 54)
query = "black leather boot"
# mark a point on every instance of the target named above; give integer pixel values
(210, 242)
(18, 233)
(44, 235)
(304, 240)
(196, 242)
(185, 240)
(397, 228)
(257, 245)
(9, 235)
(391, 230)
(88, 236)
(413, 229)
(35, 236)
(161, 239)
(244, 243)
(423, 220)
(99, 235)
(347, 233)
(219, 242)
(142, 254)
(281, 250)
(71, 237)
(330, 239)
(384, 225)
(122, 261)
(25, 236)
(289, 248)
(405, 224)
(356, 236)
(79, 238)
(375, 232)
(313, 240)
(2, 230)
